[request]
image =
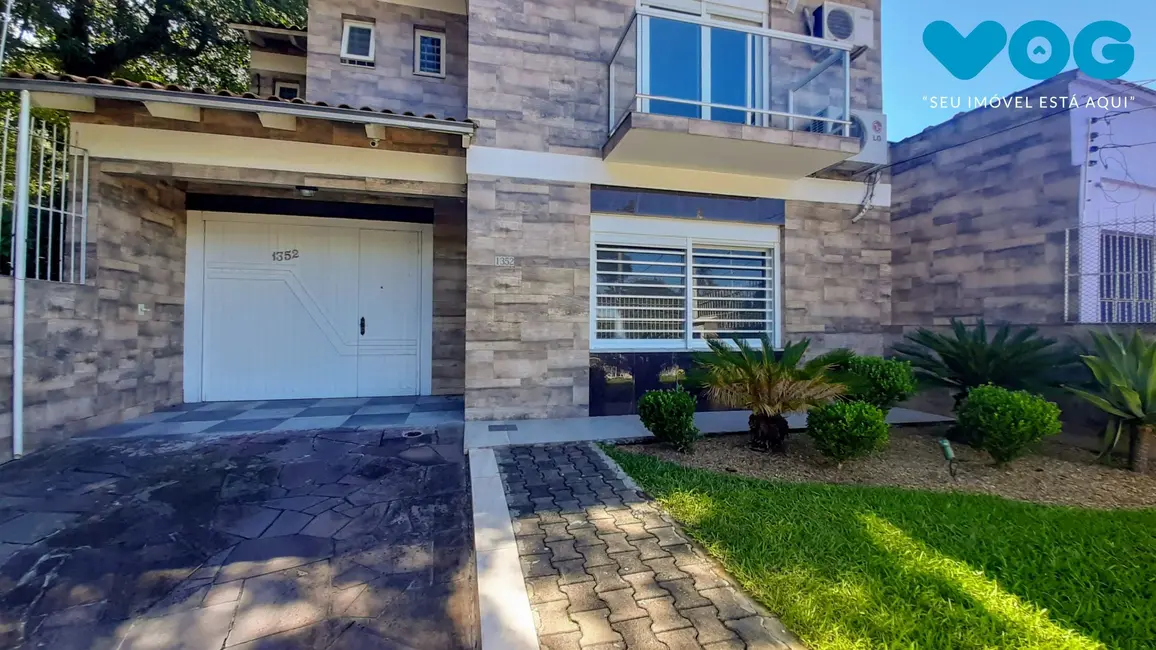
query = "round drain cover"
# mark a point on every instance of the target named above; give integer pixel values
(412, 434)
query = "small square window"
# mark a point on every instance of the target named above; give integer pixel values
(287, 89)
(429, 53)
(357, 42)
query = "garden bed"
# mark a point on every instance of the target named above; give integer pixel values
(1058, 474)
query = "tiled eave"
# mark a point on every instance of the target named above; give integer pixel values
(119, 89)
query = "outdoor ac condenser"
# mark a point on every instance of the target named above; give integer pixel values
(845, 24)
(870, 127)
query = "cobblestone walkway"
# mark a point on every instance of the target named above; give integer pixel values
(605, 569)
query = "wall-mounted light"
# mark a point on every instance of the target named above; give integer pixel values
(306, 191)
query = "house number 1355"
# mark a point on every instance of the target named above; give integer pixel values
(285, 256)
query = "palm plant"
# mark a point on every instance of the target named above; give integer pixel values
(1125, 389)
(967, 358)
(754, 379)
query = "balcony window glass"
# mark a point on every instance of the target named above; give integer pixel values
(730, 69)
(675, 66)
(711, 65)
(719, 62)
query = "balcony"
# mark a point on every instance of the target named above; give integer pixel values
(709, 95)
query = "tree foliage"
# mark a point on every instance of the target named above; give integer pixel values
(173, 41)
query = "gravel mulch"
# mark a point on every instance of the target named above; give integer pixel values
(1058, 474)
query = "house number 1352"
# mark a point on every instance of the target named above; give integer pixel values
(285, 256)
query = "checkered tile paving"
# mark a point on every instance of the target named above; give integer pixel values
(291, 415)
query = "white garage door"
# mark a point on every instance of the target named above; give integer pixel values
(301, 308)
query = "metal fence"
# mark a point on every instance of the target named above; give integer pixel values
(1111, 270)
(57, 236)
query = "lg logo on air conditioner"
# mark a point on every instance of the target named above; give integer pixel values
(1037, 50)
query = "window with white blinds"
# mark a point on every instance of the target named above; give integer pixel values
(733, 292)
(677, 296)
(641, 293)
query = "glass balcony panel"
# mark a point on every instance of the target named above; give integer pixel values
(685, 91)
(689, 67)
(731, 69)
(675, 59)
(624, 76)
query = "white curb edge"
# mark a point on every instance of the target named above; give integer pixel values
(506, 620)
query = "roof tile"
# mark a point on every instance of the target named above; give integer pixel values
(150, 85)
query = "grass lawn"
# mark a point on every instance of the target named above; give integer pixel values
(875, 567)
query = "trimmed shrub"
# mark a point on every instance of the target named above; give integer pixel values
(881, 382)
(669, 415)
(1004, 423)
(845, 430)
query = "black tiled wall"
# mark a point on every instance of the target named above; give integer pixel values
(619, 379)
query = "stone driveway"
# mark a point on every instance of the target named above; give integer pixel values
(337, 539)
(290, 415)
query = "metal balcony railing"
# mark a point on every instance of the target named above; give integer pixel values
(671, 64)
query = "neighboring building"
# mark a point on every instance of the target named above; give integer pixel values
(631, 179)
(277, 65)
(1041, 216)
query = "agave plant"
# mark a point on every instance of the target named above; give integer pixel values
(1125, 379)
(967, 358)
(741, 376)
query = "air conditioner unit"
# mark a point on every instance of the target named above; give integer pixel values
(870, 127)
(844, 24)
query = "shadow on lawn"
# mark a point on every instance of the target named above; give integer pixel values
(849, 567)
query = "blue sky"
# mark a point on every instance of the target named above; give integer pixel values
(910, 73)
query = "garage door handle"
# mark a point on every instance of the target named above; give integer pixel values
(363, 325)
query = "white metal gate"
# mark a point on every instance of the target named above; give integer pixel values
(57, 180)
(43, 222)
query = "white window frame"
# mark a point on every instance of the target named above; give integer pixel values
(278, 85)
(686, 235)
(758, 85)
(345, 40)
(418, 34)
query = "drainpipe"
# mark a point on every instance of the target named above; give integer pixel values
(20, 250)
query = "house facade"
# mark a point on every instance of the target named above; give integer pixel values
(1039, 216)
(543, 206)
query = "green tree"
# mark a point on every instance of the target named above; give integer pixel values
(173, 41)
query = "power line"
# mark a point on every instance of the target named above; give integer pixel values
(1125, 146)
(1122, 162)
(1008, 129)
